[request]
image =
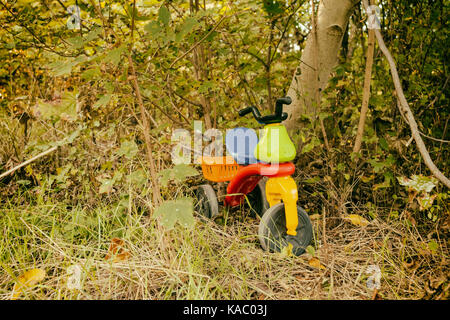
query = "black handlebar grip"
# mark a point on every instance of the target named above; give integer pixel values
(245, 111)
(285, 100)
(277, 117)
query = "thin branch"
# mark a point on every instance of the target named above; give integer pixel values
(165, 113)
(44, 45)
(197, 104)
(284, 31)
(198, 42)
(406, 109)
(434, 100)
(178, 110)
(146, 128)
(434, 139)
(257, 58)
(366, 90)
(40, 155)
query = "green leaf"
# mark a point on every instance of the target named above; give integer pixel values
(61, 68)
(377, 166)
(24, 182)
(433, 246)
(102, 101)
(92, 35)
(179, 173)
(205, 86)
(128, 148)
(76, 42)
(153, 28)
(384, 144)
(65, 109)
(89, 74)
(137, 178)
(273, 7)
(107, 184)
(187, 27)
(172, 211)
(312, 180)
(310, 249)
(388, 177)
(114, 55)
(314, 143)
(324, 115)
(164, 15)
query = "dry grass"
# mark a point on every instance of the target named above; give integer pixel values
(221, 262)
(212, 261)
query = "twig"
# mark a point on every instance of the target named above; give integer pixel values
(198, 42)
(434, 100)
(443, 135)
(44, 45)
(197, 104)
(144, 121)
(406, 109)
(366, 90)
(28, 161)
(434, 139)
(254, 55)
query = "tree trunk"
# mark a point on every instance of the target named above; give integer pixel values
(333, 16)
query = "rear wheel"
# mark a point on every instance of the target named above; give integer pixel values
(257, 199)
(207, 204)
(272, 230)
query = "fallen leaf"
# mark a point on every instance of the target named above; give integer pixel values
(357, 220)
(27, 280)
(310, 249)
(117, 251)
(287, 251)
(426, 201)
(315, 263)
(376, 296)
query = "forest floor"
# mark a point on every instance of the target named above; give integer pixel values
(214, 261)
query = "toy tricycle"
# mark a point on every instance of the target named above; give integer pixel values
(282, 222)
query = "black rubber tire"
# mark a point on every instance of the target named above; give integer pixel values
(206, 204)
(257, 199)
(272, 230)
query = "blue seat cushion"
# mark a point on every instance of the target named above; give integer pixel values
(241, 143)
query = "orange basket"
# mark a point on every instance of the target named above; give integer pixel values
(219, 169)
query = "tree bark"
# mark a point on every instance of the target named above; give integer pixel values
(333, 16)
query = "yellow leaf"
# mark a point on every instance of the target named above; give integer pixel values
(315, 263)
(287, 251)
(27, 280)
(29, 170)
(224, 10)
(367, 179)
(357, 220)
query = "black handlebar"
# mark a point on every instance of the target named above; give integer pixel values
(273, 118)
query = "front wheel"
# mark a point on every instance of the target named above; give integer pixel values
(272, 230)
